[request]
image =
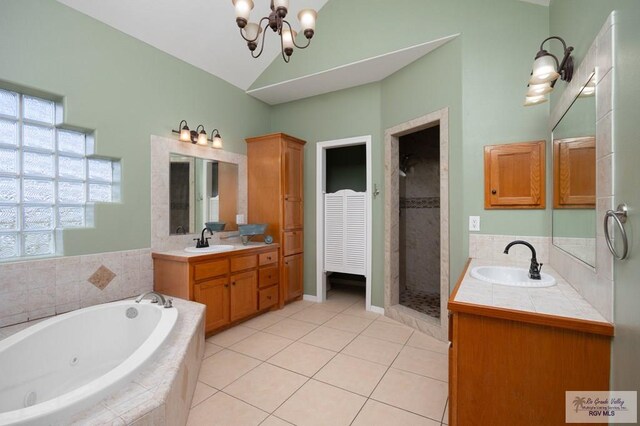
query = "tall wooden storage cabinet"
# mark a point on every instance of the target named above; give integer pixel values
(275, 185)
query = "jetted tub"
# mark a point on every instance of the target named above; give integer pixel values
(56, 368)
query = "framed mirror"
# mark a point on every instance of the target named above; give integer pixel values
(574, 177)
(201, 190)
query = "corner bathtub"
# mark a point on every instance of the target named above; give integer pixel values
(56, 368)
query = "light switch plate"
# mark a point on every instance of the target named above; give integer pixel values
(474, 223)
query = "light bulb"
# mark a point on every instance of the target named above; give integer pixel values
(534, 100)
(539, 89)
(307, 18)
(217, 142)
(202, 138)
(544, 70)
(243, 9)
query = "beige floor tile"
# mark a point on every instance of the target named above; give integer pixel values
(210, 349)
(389, 332)
(261, 345)
(348, 323)
(335, 304)
(314, 315)
(426, 363)
(445, 417)
(329, 338)
(274, 421)
(293, 307)
(373, 349)
(263, 321)
(266, 386)
(231, 336)
(422, 341)
(225, 367)
(359, 310)
(414, 393)
(375, 413)
(222, 409)
(302, 358)
(382, 318)
(352, 374)
(320, 404)
(290, 328)
(201, 393)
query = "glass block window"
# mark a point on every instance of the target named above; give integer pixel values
(46, 179)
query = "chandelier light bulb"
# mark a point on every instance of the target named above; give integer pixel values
(307, 18)
(243, 10)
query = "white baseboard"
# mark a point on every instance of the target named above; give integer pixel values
(310, 298)
(377, 310)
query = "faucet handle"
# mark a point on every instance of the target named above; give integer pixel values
(168, 303)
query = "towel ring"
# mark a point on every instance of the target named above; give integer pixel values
(620, 217)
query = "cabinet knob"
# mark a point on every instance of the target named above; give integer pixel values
(269, 277)
(233, 283)
(494, 192)
(268, 257)
(268, 297)
(226, 285)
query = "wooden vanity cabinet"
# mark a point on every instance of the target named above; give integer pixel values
(514, 176)
(233, 285)
(509, 367)
(275, 188)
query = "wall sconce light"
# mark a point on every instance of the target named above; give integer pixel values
(546, 71)
(199, 135)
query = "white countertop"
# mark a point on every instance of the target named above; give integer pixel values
(560, 300)
(236, 247)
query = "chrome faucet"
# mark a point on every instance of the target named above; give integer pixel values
(157, 298)
(202, 241)
(534, 267)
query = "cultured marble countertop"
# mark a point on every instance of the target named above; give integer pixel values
(559, 300)
(237, 246)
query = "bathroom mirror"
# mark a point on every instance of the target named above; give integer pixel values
(201, 190)
(574, 177)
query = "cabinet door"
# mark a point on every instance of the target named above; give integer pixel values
(244, 294)
(293, 276)
(293, 186)
(292, 243)
(514, 176)
(574, 173)
(214, 295)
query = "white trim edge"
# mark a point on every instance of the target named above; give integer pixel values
(310, 298)
(376, 309)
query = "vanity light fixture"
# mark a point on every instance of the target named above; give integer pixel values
(199, 135)
(250, 31)
(546, 71)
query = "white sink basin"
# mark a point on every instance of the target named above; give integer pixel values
(211, 249)
(507, 275)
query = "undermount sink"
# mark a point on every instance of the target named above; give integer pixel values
(511, 276)
(210, 249)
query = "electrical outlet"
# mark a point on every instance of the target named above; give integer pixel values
(474, 223)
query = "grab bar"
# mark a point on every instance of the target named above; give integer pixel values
(620, 217)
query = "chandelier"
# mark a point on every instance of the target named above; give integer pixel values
(250, 31)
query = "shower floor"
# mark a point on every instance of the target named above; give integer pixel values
(427, 303)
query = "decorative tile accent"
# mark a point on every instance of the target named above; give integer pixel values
(427, 303)
(102, 277)
(420, 203)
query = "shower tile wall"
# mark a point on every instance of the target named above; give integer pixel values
(420, 213)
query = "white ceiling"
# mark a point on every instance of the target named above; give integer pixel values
(345, 76)
(201, 32)
(204, 33)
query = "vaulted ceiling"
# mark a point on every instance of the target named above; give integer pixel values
(204, 33)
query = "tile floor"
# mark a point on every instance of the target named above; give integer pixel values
(322, 364)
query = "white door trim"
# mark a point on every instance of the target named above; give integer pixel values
(321, 157)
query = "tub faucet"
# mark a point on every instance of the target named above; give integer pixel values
(157, 298)
(202, 241)
(534, 267)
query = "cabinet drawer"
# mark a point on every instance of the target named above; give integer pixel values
(292, 243)
(268, 297)
(212, 269)
(240, 263)
(268, 258)
(268, 276)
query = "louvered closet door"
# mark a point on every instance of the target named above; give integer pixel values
(333, 232)
(345, 232)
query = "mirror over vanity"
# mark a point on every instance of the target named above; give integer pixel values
(201, 190)
(574, 177)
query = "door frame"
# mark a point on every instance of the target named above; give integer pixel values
(321, 175)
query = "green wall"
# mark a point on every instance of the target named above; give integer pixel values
(580, 21)
(480, 76)
(124, 89)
